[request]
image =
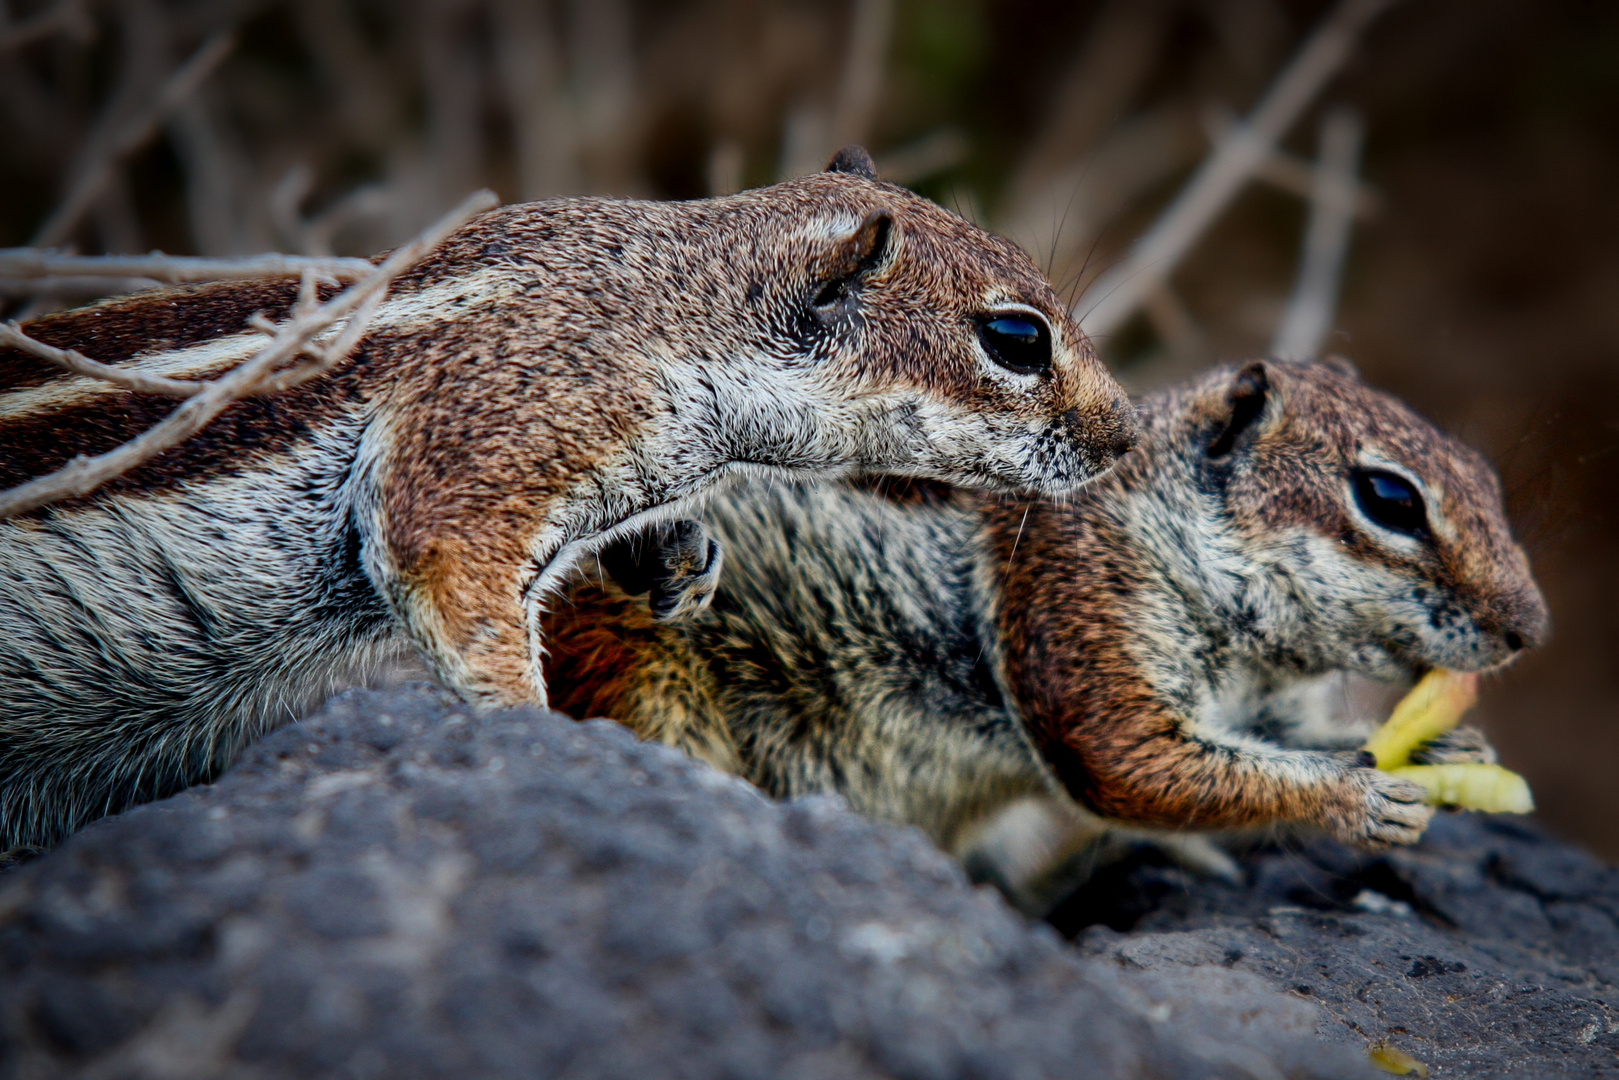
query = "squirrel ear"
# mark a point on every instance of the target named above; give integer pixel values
(851, 258)
(853, 160)
(860, 251)
(1247, 397)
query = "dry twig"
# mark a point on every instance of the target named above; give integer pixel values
(1292, 174)
(263, 372)
(864, 66)
(1326, 240)
(100, 155)
(157, 267)
(1114, 58)
(1118, 294)
(64, 16)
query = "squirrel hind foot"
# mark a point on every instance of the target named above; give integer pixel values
(676, 564)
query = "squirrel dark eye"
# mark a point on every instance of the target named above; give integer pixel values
(1391, 501)
(1017, 342)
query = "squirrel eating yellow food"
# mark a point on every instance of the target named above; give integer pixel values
(1432, 708)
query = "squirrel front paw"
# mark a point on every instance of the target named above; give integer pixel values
(1465, 745)
(678, 563)
(1380, 810)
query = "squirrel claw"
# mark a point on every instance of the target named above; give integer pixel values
(1385, 810)
(1465, 745)
(677, 563)
(690, 571)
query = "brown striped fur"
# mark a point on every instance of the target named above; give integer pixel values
(1146, 647)
(555, 375)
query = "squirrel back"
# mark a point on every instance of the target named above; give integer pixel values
(552, 377)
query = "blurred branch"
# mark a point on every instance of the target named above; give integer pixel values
(362, 88)
(932, 153)
(1112, 62)
(864, 66)
(726, 161)
(157, 267)
(116, 140)
(452, 83)
(256, 375)
(543, 136)
(215, 180)
(77, 287)
(63, 17)
(1143, 151)
(601, 57)
(1292, 174)
(1117, 295)
(1326, 240)
(1176, 326)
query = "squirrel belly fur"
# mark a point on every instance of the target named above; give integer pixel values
(1142, 649)
(555, 375)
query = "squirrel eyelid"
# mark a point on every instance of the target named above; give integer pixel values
(1391, 501)
(1017, 339)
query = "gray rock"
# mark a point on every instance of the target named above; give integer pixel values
(398, 889)
(1490, 950)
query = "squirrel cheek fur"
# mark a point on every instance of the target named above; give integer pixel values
(1235, 557)
(554, 377)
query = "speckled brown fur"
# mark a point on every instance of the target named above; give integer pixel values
(1110, 696)
(554, 376)
(1144, 647)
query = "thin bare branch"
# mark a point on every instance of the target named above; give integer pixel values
(75, 287)
(330, 355)
(1326, 240)
(864, 66)
(72, 360)
(1114, 59)
(933, 153)
(259, 373)
(1292, 174)
(174, 269)
(1118, 294)
(62, 17)
(96, 162)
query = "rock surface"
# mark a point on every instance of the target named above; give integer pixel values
(396, 889)
(1490, 950)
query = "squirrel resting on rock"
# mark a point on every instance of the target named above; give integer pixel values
(1143, 648)
(554, 376)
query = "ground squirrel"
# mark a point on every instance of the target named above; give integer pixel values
(1142, 646)
(555, 374)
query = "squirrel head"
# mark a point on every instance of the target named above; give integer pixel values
(941, 343)
(1381, 544)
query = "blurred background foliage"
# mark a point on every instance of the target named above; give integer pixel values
(1482, 285)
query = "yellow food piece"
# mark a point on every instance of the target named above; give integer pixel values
(1474, 786)
(1432, 708)
(1392, 1060)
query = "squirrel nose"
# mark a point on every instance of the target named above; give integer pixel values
(1118, 434)
(1526, 627)
(1125, 441)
